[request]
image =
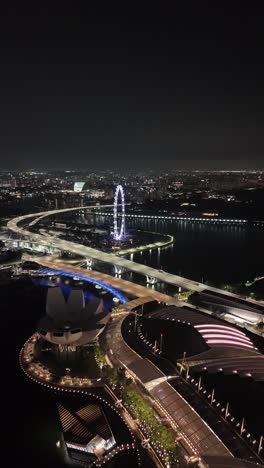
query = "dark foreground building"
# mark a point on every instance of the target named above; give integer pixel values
(86, 432)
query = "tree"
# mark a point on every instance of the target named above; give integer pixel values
(99, 356)
(110, 374)
(122, 380)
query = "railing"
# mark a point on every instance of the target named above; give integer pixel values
(209, 398)
(221, 410)
(240, 222)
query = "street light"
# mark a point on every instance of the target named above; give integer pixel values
(161, 341)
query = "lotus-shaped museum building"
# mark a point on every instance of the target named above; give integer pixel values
(71, 322)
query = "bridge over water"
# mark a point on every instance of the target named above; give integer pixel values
(152, 275)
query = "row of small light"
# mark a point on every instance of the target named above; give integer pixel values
(223, 410)
(178, 218)
(114, 452)
(164, 411)
(41, 371)
(219, 407)
(172, 422)
(230, 336)
(59, 389)
(148, 431)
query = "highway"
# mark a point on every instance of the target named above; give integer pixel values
(88, 252)
(120, 284)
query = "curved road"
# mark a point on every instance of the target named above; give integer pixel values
(89, 252)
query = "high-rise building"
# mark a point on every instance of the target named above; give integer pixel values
(13, 183)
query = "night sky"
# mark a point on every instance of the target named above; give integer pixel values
(142, 87)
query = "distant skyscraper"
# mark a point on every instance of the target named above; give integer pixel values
(13, 183)
(78, 186)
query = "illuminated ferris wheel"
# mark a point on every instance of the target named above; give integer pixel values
(119, 234)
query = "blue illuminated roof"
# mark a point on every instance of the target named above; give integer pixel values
(113, 291)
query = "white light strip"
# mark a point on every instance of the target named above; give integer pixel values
(215, 341)
(222, 330)
(221, 327)
(76, 447)
(216, 334)
(225, 335)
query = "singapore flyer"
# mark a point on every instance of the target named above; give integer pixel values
(119, 234)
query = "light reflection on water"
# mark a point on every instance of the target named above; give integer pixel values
(218, 254)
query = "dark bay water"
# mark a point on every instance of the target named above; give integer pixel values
(217, 254)
(31, 424)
